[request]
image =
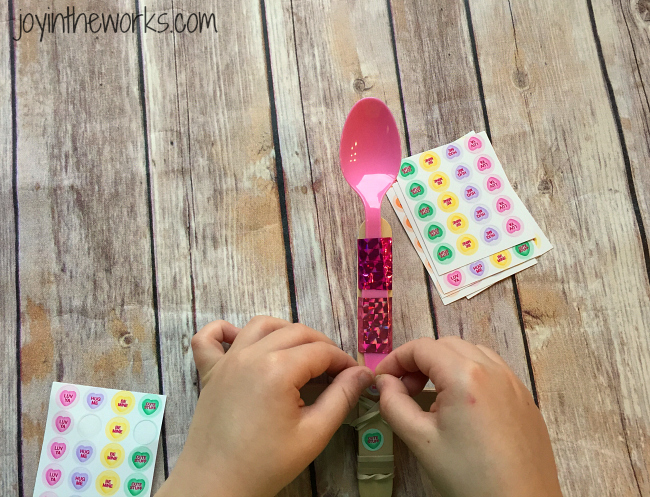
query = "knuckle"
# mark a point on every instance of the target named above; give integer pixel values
(475, 376)
(196, 341)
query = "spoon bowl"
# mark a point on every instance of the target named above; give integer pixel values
(370, 156)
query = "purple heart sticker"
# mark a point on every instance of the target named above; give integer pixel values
(84, 453)
(79, 480)
(95, 400)
(477, 268)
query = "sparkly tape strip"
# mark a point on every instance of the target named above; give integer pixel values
(375, 325)
(374, 477)
(375, 263)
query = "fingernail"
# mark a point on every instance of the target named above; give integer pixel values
(366, 378)
(379, 379)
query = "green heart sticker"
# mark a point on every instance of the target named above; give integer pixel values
(424, 210)
(416, 189)
(434, 231)
(150, 406)
(406, 169)
(372, 439)
(444, 253)
(140, 459)
(135, 486)
(523, 250)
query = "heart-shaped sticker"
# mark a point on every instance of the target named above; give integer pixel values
(95, 400)
(477, 268)
(372, 439)
(84, 453)
(135, 486)
(150, 406)
(79, 480)
(483, 163)
(474, 143)
(513, 225)
(52, 476)
(452, 152)
(62, 423)
(57, 449)
(67, 397)
(455, 278)
(140, 459)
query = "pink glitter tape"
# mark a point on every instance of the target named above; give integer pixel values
(375, 325)
(375, 263)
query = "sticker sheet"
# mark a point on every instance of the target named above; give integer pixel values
(462, 203)
(482, 268)
(99, 441)
(469, 291)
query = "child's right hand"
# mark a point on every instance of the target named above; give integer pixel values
(483, 434)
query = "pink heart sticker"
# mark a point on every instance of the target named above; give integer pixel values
(474, 143)
(52, 476)
(455, 278)
(62, 423)
(513, 225)
(57, 449)
(67, 397)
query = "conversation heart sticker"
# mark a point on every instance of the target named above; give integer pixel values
(117, 429)
(84, 451)
(407, 169)
(467, 244)
(429, 161)
(503, 205)
(58, 449)
(455, 278)
(112, 456)
(425, 210)
(474, 144)
(123, 402)
(135, 484)
(67, 396)
(79, 479)
(491, 235)
(481, 214)
(434, 231)
(62, 422)
(457, 223)
(140, 458)
(95, 400)
(483, 164)
(372, 439)
(493, 184)
(501, 259)
(513, 226)
(448, 202)
(452, 152)
(107, 483)
(462, 172)
(52, 475)
(471, 193)
(416, 189)
(439, 181)
(149, 406)
(444, 254)
(524, 250)
(477, 268)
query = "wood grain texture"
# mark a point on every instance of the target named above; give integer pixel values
(586, 304)
(219, 245)
(442, 103)
(623, 30)
(325, 56)
(85, 267)
(9, 465)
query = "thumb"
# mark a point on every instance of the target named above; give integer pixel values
(401, 412)
(338, 399)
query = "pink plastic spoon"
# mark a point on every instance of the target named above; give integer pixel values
(370, 156)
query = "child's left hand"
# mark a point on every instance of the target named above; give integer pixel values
(252, 434)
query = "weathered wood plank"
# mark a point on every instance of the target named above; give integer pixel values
(442, 102)
(9, 464)
(325, 57)
(85, 266)
(219, 245)
(586, 304)
(624, 35)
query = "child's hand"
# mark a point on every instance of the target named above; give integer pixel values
(252, 434)
(483, 434)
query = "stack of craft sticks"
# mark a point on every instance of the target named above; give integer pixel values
(463, 217)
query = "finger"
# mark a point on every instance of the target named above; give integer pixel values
(310, 360)
(435, 358)
(464, 348)
(402, 413)
(257, 328)
(338, 399)
(414, 382)
(493, 355)
(292, 336)
(206, 344)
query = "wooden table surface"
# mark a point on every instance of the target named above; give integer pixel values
(152, 183)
